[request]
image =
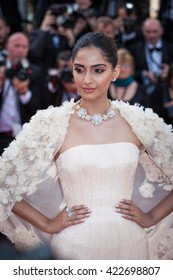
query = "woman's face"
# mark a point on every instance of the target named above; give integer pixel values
(126, 69)
(92, 73)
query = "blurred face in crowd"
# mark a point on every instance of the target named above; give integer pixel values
(17, 46)
(126, 69)
(64, 63)
(4, 31)
(152, 30)
(126, 63)
(122, 12)
(83, 4)
(107, 29)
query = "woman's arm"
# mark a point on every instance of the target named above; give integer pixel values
(25, 211)
(131, 212)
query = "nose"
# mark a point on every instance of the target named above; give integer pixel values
(87, 78)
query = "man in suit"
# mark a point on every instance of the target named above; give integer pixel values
(59, 85)
(153, 55)
(20, 89)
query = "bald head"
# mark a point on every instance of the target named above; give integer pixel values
(17, 46)
(152, 30)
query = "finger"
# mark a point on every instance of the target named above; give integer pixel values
(75, 222)
(126, 212)
(129, 217)
(80, 210)
(78, 207)
(80, 213)
(127, 209)
(122, 206)
(80, 216)
(85, 210)
(126, 201)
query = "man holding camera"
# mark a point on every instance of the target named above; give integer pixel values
(59, 84)
(62, 24)
(20, 89)
(50, 38)
(153, 55)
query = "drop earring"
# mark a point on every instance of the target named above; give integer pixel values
(114, 80)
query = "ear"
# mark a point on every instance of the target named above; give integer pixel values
(116, 73)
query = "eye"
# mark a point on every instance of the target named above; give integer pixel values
(99, 70)
(78, 70)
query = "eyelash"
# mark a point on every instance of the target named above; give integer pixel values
(78, 70)
(97, 70)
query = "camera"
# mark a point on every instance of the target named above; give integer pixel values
(59, 9)
(65, 14)
(66, 75)
(53, 76)
(20, 69)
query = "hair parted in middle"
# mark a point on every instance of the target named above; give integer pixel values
(99, 40)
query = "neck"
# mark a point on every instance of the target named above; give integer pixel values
(95, 107)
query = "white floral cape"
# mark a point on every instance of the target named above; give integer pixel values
(28, 171)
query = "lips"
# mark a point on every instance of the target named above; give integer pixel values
(88, 90)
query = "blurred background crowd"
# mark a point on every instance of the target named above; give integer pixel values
(36, 39)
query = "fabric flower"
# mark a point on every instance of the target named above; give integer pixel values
(147, 190)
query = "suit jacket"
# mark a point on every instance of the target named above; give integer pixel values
(36, 85)
(42, 51)
(138, 52)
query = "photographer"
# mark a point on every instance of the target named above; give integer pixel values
(86, 15)
(128, 30)
(59, 85)
(20, 88)
(54, 35)
(152, 56)
(105, 24)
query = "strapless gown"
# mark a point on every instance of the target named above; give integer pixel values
(99, 176)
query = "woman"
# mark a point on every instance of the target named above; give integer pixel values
(74, 147)
(126, 88)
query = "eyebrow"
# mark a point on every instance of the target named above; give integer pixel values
(95, 65)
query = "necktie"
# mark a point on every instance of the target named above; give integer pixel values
(155, 49)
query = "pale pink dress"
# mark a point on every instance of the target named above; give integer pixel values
(99, 176)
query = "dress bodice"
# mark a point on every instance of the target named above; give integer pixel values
(98, 175)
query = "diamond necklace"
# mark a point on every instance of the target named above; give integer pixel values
(95, 119)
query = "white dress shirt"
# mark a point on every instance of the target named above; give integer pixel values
(154, 58)
(10, 119)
